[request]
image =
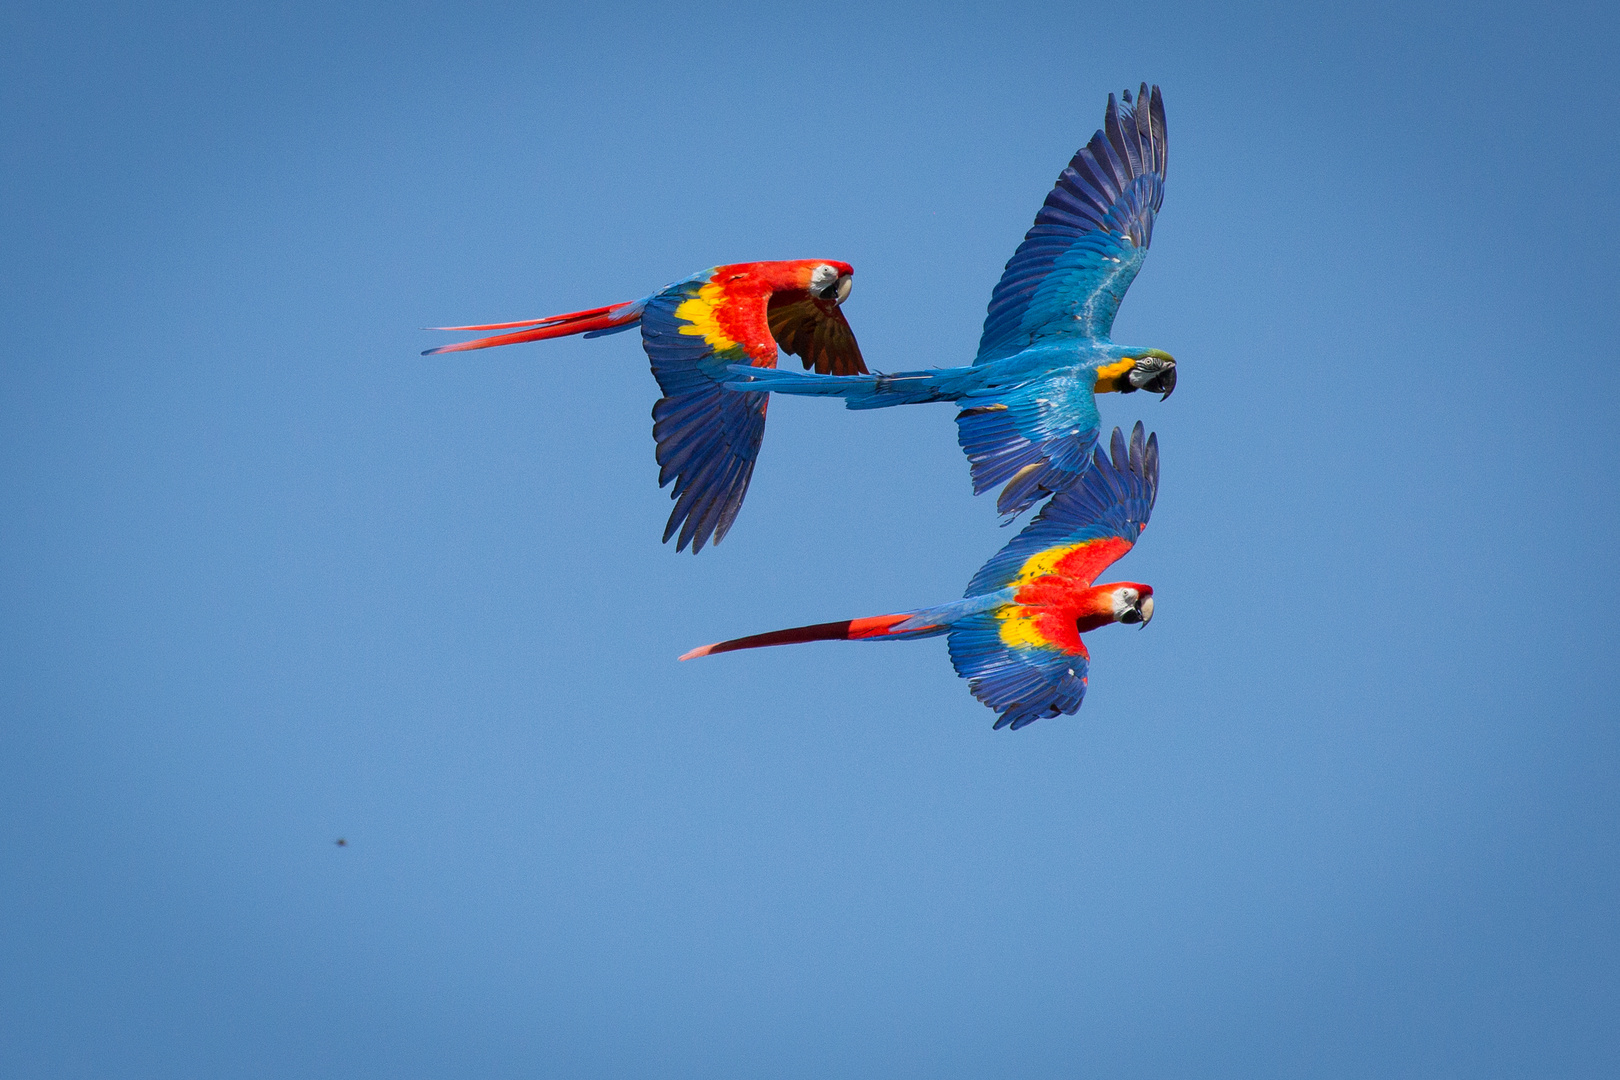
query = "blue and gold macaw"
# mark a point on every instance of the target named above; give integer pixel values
(1028, 414)
(1016, 635)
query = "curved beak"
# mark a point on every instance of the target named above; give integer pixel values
(836, 290)
(1142, 613)
(1154, 372)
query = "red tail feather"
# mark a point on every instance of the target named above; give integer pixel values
(575, 322)
(848, 630)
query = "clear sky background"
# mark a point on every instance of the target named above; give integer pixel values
(1349, 807)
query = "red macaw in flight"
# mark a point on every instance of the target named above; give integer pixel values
(708, 437)
(1016, 635)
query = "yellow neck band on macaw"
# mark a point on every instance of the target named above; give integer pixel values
(1110, 377)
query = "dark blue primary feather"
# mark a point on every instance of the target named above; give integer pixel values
(708, 437)
(1114, 498)
(1069, 275)
(1023, 685)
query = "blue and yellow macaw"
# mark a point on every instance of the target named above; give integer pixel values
(1028, 416)
(1016, 635)
(694, 331)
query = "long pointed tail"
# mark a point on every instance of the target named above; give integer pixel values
(592, 323)
(878, 626)
(874, 391)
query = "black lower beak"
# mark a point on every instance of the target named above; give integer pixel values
(1165, 384)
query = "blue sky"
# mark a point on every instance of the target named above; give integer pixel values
(268, 577)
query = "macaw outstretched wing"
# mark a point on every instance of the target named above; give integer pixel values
(709, 437)
(1036, 438)
(1089, 239)
(1085, 527)
(1024, 682)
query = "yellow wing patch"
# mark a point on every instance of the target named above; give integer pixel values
(700, 315)
(1045, 562)
(1018, 628)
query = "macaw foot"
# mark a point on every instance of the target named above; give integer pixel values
(1152, 373)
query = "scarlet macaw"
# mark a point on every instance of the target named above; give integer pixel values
(708, 438)
(1028, 414)
(1016, 635)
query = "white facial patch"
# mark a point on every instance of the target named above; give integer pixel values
(822, 279)
(1124, 600)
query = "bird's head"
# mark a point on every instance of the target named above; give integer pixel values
(831, 281)
(1120, 602)
(1153, 370)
